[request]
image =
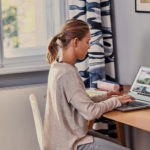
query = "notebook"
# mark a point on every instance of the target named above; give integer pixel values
(140, 90)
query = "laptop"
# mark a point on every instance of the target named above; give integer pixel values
(140, 90)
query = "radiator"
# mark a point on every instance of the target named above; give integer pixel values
(17, 130)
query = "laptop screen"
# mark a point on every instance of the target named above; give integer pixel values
(140, 88)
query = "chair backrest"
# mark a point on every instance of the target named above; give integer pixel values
(37, 120)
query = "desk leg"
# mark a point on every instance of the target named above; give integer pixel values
(120, 133)
(90, 124)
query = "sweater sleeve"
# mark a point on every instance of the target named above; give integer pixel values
(98, 98)
(80, 100)
(90, 110)
(96, 95)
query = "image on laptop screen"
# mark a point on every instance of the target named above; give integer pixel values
(141, 85)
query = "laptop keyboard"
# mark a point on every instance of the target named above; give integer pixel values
(134, 104)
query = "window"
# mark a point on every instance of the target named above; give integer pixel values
(26, 26)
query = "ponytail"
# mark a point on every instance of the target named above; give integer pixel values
(52, 50)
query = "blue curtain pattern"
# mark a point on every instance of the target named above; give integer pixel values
(99, 62)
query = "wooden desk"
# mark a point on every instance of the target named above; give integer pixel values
(137, 118)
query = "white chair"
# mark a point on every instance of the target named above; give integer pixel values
(37, 120)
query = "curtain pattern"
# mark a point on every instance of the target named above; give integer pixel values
(99, 62)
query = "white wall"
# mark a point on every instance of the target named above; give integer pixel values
(132, 45)
(17, 130)
(132, 39)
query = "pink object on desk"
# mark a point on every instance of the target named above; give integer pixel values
(107, 86)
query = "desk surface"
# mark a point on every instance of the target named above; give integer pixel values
(138, 118)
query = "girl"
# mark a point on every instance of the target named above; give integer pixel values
(68, 106)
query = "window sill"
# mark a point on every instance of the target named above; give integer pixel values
(24, 67)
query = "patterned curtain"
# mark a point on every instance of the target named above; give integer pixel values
(99, 62)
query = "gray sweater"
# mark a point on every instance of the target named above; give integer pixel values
(69, 107)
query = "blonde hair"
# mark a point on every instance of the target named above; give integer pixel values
(72, 28)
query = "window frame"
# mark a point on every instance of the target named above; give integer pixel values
(34, 62)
